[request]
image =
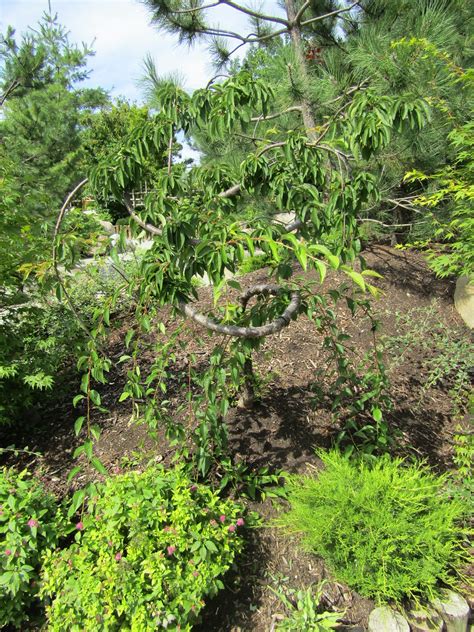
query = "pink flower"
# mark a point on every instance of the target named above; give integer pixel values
(232, 528)
(212, 522)
(193, 488)
(32, 523)
(8, 552)
(80, 526)
(167, 528)
(196, 573)
(118, 557)
(222, 518)
(170, 549)
(240, 522)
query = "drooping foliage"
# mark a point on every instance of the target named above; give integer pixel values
(207, 219)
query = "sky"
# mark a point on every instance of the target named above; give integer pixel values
(121, 34)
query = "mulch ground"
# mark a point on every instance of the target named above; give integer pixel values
(283, 429)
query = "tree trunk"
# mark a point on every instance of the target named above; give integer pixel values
(247, 393)
(305, 104)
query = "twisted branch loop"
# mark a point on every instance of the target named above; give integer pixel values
(238, 331)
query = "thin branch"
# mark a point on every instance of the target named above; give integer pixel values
(211, 81)
(255, 14)
(233, 190)
(246, 332)
(346, 94)
(301, 11)
(405, 206)
(297, 223)
(268, 147)
(376, 221)
(170, 149)
(268, 117)
(201, 8)
(57, 228)
(328, 15)
(13, 86)
(153, 230)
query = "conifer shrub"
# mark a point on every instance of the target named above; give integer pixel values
(152, 547)
(29, 525)
(385, 528)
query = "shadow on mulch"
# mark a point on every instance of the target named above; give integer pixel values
(408, 272)
(279, 432)
(245, 584)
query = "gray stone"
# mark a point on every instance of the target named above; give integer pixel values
(464, 299)
(385, 619)
(424, 620)
(108, 227)
(454, 610)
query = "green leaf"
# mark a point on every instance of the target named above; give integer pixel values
(356, 277)
(377, 414)
(74, 472)
(95, 397)
(77, 399)
(78, 425)
(98, 465)
(321, 269)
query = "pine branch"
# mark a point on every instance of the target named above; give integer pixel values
(326, 15)
(256, 14)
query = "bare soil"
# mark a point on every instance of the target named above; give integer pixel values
(282, 430)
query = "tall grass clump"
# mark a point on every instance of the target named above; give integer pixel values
(385, 528)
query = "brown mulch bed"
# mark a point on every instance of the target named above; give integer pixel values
(280, 432)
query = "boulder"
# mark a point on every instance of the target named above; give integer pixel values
(385, 619)
(424, 620)
(454, 610)
(108, 227)
(464, 300)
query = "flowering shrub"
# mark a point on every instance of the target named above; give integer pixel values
(152, 546)
(28, 526)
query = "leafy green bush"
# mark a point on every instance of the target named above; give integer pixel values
(152, 546)
(385, 528)
(37, 339)
(29, 525)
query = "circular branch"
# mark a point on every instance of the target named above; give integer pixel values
(237, 331)
(264, 289)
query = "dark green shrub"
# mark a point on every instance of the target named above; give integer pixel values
(29, 525)
(385, 528)
(151, 549)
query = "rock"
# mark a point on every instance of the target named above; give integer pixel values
(424, 620)
(464, 300)
(384, 619)
(108, 227)
(454, 610)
